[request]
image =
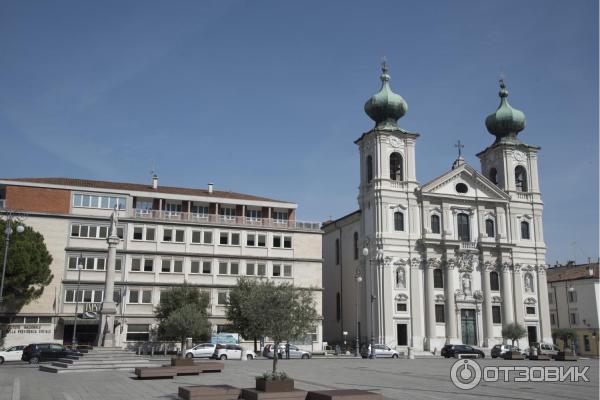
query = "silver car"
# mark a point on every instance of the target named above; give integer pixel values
(295, 352)
(204, 350)
(381, 351)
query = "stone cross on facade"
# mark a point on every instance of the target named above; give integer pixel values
(106, 333)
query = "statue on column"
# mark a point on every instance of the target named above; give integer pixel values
(114, 220)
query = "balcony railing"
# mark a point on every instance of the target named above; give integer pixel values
(524, 196)
(468, 246)
(143, 214)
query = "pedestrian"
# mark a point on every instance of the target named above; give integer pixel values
(287, 351)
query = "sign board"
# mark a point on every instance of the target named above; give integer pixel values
(226, 338)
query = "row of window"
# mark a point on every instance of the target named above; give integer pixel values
(438, 279)
(93, 231)
(396, 167)
(229, 267)
(440, 316)
(520, 178)
(95, 201)
(571, 296)
(135, 296)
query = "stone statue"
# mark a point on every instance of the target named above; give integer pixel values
(466, 284)
(113, 223)
(528, 283)
(400, 278)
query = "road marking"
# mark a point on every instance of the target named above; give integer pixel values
(16, 392)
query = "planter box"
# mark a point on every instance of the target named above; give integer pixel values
(562, 356)
(285, 385)
(343, 394)
(253, 394)
(540, 357)
(180, 362)
(513, 355)
(214, 392)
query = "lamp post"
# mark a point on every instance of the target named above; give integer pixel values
(358, 278)
(8, 231)
(378, 260)
(79, 268)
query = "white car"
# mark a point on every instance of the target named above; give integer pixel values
(381, 350)
(295, 352)
(204, 350)
(11, 354)
(232, 352)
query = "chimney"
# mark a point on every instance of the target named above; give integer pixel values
(210, 187)
(154, 181)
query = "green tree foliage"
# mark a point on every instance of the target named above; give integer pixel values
(513, 332)
(279, 311)
(182, 313)
(565, 335)
(27, 269)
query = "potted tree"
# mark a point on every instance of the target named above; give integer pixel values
(513, 332)
(567, 354)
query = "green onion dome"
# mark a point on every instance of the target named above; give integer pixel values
(506, 122)
(385, 107)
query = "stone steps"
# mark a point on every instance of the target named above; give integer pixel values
(97, 368)
(70, 363)
(99, 359)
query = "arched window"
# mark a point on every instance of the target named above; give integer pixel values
(396, 173)
(435, 224)
(464, 231)
(525, 230)
(489, 228)
(494, 281)
(398, 221)
(356, 245)
(369, 169)
(494, 176)
(438, 279)
(521, 179)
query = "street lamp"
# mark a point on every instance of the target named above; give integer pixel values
(8, 231)
(79, 268)
(358, 278)
(378, 260)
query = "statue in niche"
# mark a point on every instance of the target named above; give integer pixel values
(528, 283)
(466, 284)
(400, 278)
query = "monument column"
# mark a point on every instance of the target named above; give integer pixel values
(106, 334)
(451, 334)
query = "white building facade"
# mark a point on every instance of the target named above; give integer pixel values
(169, 236)
(446, 262)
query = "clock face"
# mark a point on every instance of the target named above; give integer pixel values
(519, 156)
(394, 142)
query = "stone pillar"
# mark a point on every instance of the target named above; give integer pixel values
(430, 302)
(416, 312)
(542, 289)
(507, 296)
(106, 333)
(488, 326)
(449, 280)
(518, 295)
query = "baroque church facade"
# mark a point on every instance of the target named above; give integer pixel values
(446, 262)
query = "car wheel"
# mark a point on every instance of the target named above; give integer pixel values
(305, 356)
(223, 357)
(249, 357)
(1, 360)
(395, 356)
(34, 360)
(189, 355)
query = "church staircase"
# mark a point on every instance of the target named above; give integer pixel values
(100, 359)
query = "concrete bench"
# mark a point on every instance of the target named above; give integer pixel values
(467, 356)
(209, 392)
(156, 372)
(253, 394)
(343, 394)
(540, 357)
(210, 366)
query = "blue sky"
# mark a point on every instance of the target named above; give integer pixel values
(267, 97)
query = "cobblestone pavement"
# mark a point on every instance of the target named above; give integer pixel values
(395, 379)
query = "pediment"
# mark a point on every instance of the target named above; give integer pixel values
(464, 181)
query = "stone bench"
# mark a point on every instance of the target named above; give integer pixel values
(343, 394)
(196, 369)
(156, 372)
(253, 394)
(209, 392)
(540, 357)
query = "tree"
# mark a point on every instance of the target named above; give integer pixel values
(27, 268)
(281, 312)
(565, 335)
(182, 313)
(240, 297)
(513, 332)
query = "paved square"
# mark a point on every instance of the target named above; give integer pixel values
(395, 379)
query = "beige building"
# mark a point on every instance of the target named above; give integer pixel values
(170, 235)
(573, 296)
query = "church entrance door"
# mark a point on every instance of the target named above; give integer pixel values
(468, 327)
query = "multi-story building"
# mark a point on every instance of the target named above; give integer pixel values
(573, 295)
(449, 261)
(170, 235)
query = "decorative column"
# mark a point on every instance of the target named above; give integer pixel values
(507, 295)
(415, 304)
(544, 312)
(449, 279)
(488, 326)
(106, 334)
(518, 294)
(430, 301)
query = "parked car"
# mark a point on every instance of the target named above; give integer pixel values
(204, 350)
(381, 351)
(456, 349)
(11, 354)
(500, 350)
(231, 352)
(546, 348)
(295, 352)
(34, 353)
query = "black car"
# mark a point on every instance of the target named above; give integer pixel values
(34, 353)
(456, 349)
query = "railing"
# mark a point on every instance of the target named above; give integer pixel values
(143, 214)
(524, 196)
(468, 246)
